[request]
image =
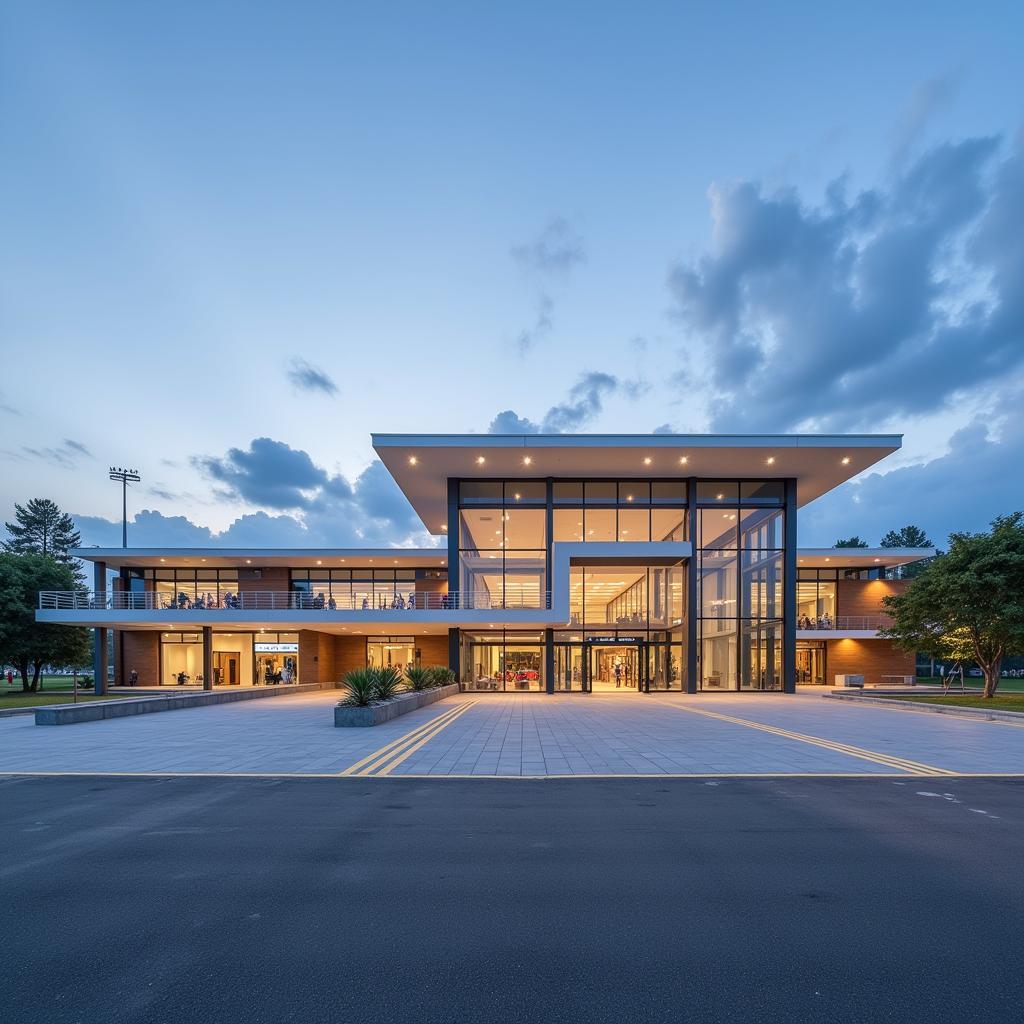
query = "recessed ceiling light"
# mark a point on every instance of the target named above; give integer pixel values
(647, 460)
(248, 561)
(412, 460)
(444, 527)
(719, 497)
(771, 460)
(527, 460)
(163, 559)
(480, 460)
(828, 559)
(877, 559)
(846, 460)
(683, 460)
(318, 562)
(518, 496)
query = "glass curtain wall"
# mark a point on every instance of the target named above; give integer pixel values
(815, 598)
(740, 559)
(502, 661)
(503, 544)
(354, 588)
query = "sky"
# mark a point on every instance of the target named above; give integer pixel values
(240, 237)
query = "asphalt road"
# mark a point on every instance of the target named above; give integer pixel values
(418, 901)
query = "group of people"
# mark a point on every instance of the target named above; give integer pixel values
(203, 601)
(823, 621)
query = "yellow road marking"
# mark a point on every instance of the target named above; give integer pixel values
(373, 761)
(888, 760)
(387, 769)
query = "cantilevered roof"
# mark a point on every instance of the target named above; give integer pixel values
(859, 558)
(294, 558)
(421, 463)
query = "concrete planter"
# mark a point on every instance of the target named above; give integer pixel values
(375, 714)
(96, 711)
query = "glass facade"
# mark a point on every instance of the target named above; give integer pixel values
(239, 659)
(739, 560)
(502, 660)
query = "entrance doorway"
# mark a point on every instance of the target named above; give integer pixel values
(615, 667)
(225, 668)
(810, 662)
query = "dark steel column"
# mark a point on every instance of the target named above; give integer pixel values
(789, 593)
(549, 661)
(549, 519)
(691, 587)
(99, 643)
(207, 658)
(454, 654)
(453, 539)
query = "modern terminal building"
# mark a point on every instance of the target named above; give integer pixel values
(565, 564)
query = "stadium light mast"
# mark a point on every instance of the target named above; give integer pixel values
(124, 475)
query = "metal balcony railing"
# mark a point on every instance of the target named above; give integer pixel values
(276, 600)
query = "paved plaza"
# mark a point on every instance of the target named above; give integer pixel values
(528, 736)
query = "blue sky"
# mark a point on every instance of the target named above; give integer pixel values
(240, 237)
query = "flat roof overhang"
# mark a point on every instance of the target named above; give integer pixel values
(422, 463)
(262, 558)
(858, 558)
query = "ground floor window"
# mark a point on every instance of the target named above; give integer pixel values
(397, 652)
(810, 662)
(503, 660)
(239, 659)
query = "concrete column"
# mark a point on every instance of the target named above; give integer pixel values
(207, 658)
(99, 643)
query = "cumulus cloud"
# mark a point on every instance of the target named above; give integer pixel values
(584, 402)
(556, 250)
(297, 504)
(268, 473)
(976, 479)
(847, 313)
(306, 377)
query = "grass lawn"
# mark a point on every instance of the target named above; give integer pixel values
(17, 699)
(1000, 702)
(1006, 685)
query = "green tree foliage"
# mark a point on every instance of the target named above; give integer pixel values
(968, 601)
(41, 528)
(908, 537)
(851, 542)
(24, 642)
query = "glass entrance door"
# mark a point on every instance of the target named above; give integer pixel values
(810, 662)
(615, 668)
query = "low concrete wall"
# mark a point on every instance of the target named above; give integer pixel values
(935, 709)
(401, 705)
(96, 711)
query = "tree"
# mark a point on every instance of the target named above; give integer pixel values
(970, 599)
(851, 542)
(24, 642)
(42, 528)
(908, 537)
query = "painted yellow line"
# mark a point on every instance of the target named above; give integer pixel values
(887, 760)
(356, 768)
(960, 776)
(406, 741)
(391, 765)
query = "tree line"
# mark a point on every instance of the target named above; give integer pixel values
(37, 556)
(907, 537)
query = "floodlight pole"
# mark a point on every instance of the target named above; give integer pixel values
(124, 475)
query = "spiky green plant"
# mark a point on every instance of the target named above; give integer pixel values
(389, 682)
(418, 678)
(361, 684)
(440, 675)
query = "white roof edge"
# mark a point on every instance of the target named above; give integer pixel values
(886, 554)
(633, 440)
(97, 553)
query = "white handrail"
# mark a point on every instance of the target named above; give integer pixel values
(285, 600)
